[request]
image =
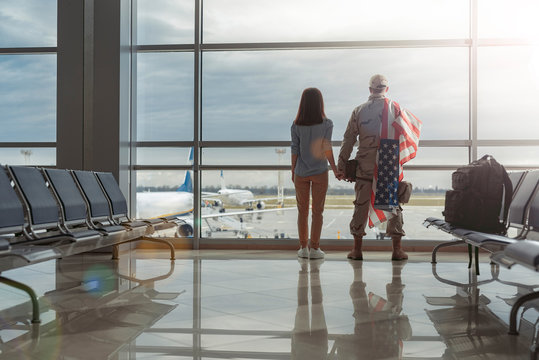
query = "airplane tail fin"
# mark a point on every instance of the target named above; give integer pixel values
(222, 178)
(191, 155)
(187, 185)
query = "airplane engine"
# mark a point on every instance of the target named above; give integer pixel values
(261, 205)
(185, 229)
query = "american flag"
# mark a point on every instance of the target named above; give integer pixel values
(387, 184)
(397, 125)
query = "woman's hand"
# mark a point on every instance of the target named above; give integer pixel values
(292, 175)
(338, 174)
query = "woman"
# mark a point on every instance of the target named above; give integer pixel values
(311, 149)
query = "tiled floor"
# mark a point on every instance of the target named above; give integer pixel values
(265, 305)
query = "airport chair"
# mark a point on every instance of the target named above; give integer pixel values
(523, 183)
(73, 211)
(20, 253)
(525, 253)
(97, 203)
(101, 213)
(44, 212)
(532, 226)
(118, 203)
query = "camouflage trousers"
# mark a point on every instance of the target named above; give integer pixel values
(360, 218)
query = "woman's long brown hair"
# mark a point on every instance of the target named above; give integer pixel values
(311, 108)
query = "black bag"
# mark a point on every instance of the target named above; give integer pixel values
(476, 200)
(350, 170)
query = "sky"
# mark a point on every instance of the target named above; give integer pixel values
(254, 95)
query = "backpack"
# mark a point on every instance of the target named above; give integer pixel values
(476, 200)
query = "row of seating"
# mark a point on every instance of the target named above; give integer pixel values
(523, 218)
(520, 246)
(54, 213)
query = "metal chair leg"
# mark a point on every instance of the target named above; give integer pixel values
(477, 260)
(30, 292)
(163, 241)
(439, 246)
(514, 311)
(469, 256)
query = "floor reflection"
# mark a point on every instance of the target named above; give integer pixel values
(310, 333)
(265, 305)
(380, 327)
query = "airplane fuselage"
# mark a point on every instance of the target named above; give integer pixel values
(237, 197)
(163, 203)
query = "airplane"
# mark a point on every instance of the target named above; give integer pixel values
(242, 197)
(179, 204)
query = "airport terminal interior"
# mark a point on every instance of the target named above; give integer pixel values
(188, 105)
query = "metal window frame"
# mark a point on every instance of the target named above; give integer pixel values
(198, 48)
(36, 50)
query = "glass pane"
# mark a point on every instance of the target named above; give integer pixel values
(508, 19)
(263, 187)
(28, 23)
(28, 156)
(28, 98)
(163, 156)
(246, 156)
(255, 95)
(428, 199)
(165, 22)
(512, 155)
(157, 194)
(326, 20)
(440, 156)
(508, 88)
(165, 96)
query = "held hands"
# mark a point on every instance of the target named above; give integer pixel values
(338, 174)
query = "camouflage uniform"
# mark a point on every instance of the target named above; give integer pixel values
(365, 122)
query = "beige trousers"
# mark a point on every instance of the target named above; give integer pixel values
(360, 218)
(318, 186)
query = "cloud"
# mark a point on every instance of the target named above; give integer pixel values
(28, 23)
(323, 20)
(28, 97)
(165, 22)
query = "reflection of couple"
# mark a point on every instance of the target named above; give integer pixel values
(379, 325)
(388, 137)
(310, 335)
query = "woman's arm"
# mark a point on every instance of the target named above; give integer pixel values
(328, 152)
(294, 149)
(294, 160)
(329, 155)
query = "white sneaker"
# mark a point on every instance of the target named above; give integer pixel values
(303, 253)
(317, 254)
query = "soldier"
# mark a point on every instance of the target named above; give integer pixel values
(366, 123)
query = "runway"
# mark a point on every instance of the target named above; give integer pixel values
(282, 224)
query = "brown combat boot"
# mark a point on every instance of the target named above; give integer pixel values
(398, 252)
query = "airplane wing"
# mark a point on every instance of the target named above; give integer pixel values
(244, 212)
(250, 201)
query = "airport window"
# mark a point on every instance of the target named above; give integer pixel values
(516, 156)
(28, 86)
(174, 156)
(44, 156)
(500, 19)
(259, 91)
(235, 21)
(165, 21)
(164, 96)
(28, 97)
(508, 87)
(225, 77)
(29, 23)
